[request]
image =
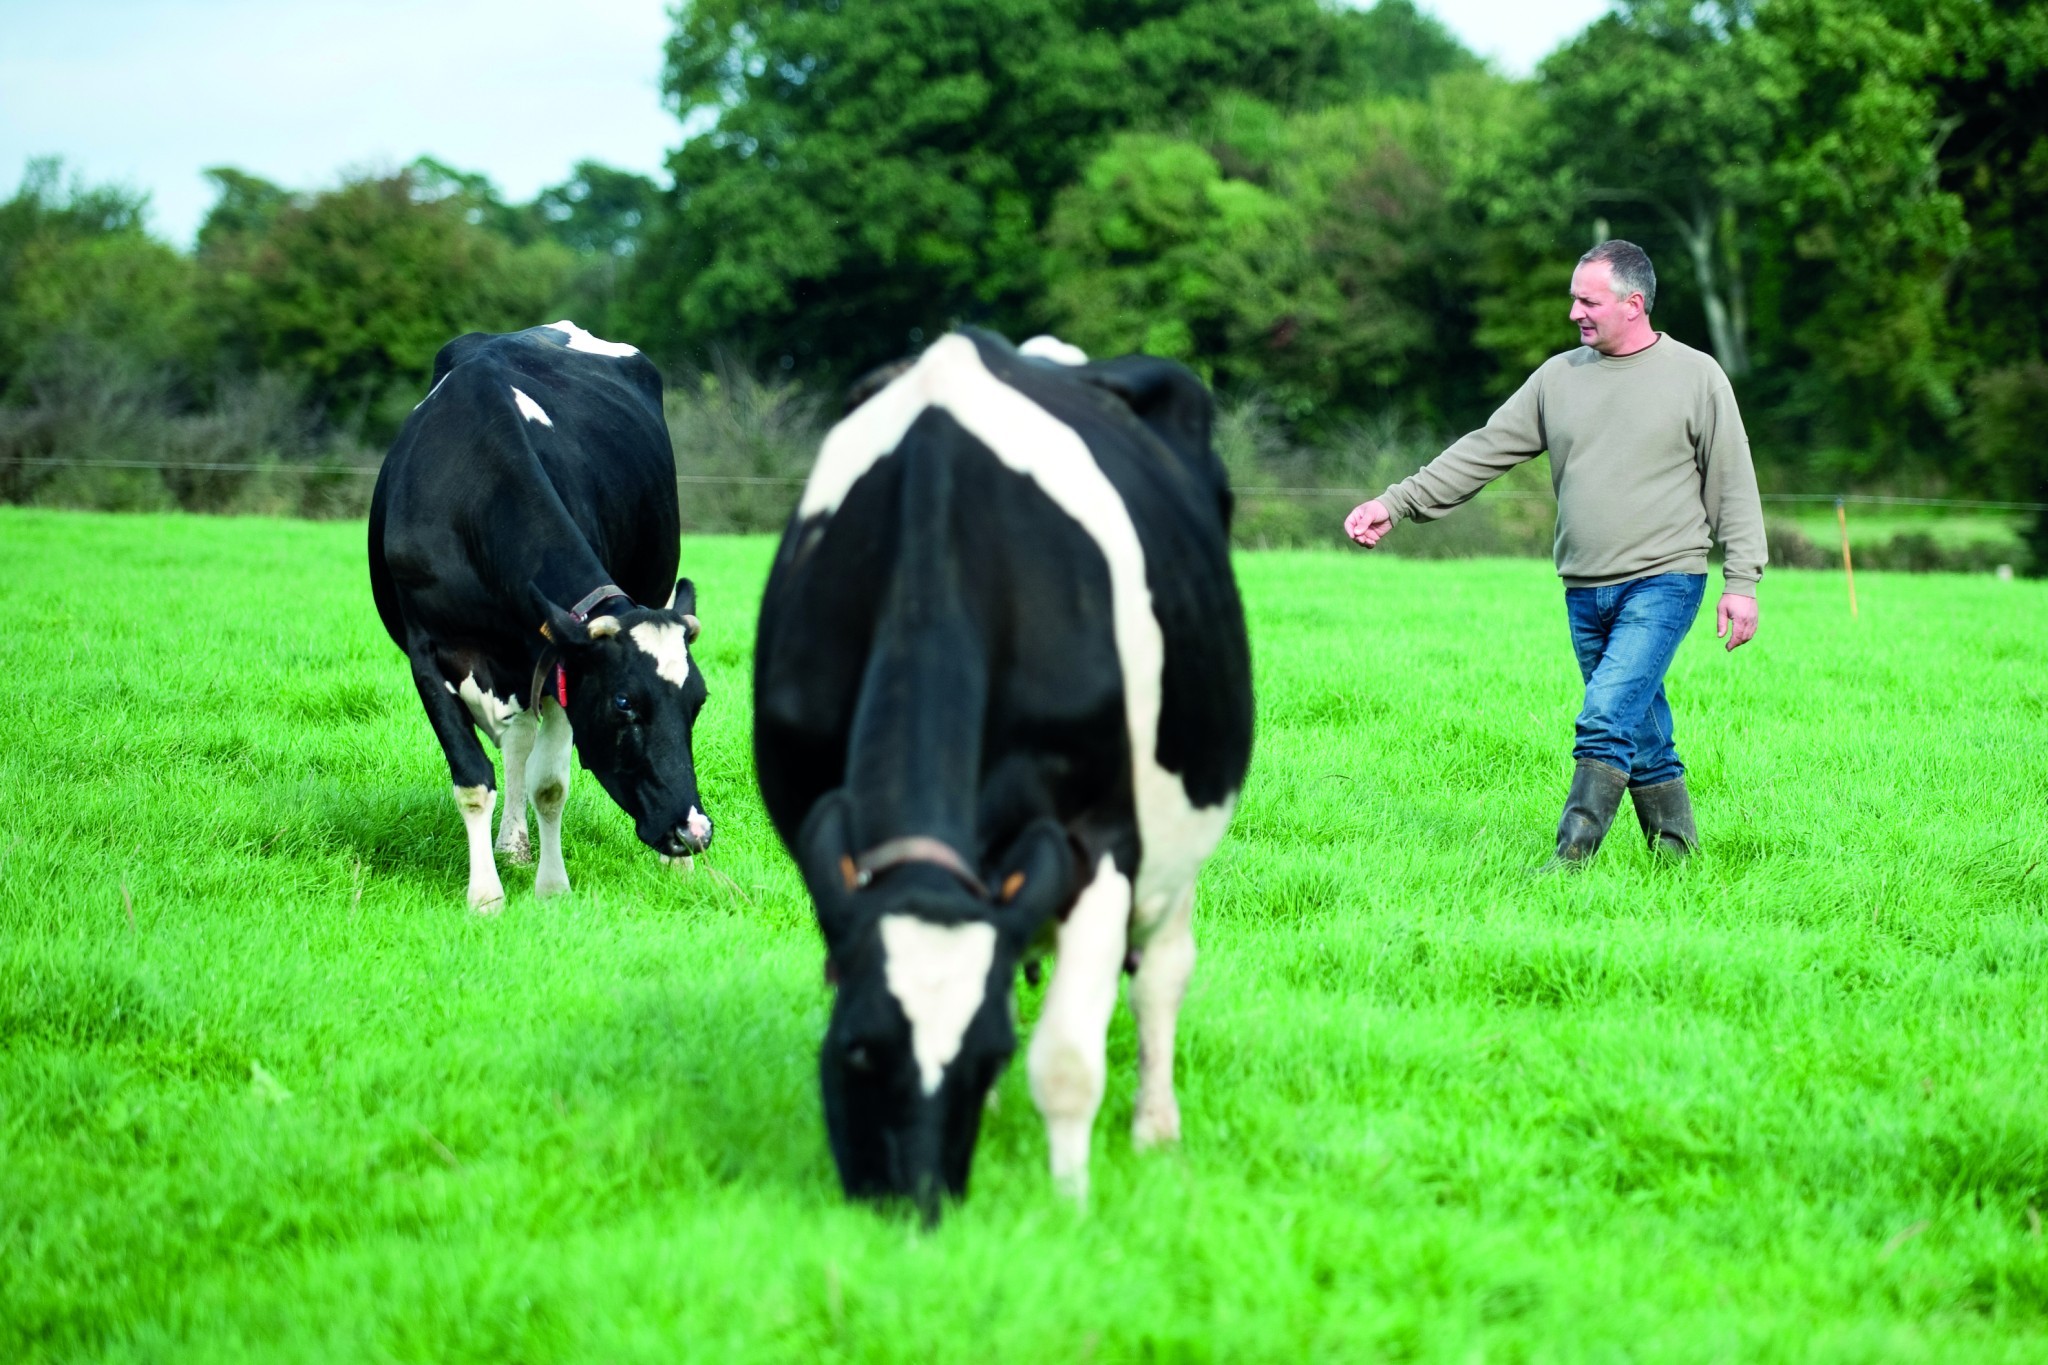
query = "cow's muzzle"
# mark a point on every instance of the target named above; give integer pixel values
(691, 836)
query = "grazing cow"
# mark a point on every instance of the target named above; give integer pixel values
(523, 546)
(1002, 686)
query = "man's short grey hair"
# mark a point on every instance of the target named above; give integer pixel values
(1633, 273)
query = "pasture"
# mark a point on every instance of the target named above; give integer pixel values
(269, 1091)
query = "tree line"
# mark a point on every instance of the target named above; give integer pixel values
(1337, 214)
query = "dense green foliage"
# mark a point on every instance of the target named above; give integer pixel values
(1332, 211)
(866, 173)
(269, 1092)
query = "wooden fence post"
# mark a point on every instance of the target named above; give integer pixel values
(1848, 567)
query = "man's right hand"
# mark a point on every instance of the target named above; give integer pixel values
(1368, 522)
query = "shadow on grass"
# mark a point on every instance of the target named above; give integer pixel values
(712, 1076)
(396, 831)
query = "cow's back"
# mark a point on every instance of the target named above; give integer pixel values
(1038, 585)
(526, 444)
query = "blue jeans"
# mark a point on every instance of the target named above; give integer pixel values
(1625, 635)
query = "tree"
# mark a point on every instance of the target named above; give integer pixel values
(1393, 49)
(245, 207)
(1318, 258)
(83, 286)
(355, 289)
(859, 174)
(1654, 112)
(605, 217)
(600, 209)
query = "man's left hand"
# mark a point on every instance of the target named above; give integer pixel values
(1735, 618)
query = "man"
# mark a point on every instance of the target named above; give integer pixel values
(1649, 460)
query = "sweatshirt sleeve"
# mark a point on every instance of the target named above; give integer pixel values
(1510, 436)
(1735, 512)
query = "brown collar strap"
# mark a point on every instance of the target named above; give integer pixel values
(914, 848)
(581, 611)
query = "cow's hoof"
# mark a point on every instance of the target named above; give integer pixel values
(487, 902)
(1155, 1125)
(1072, 1185)
(546, 887)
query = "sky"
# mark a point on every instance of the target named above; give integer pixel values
(148, 93)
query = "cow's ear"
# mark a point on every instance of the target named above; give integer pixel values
(824, 854)
(557, 626)
(1176, 405)
(684, 604)
(1165, 395)
(1037, 880)
(872, 383)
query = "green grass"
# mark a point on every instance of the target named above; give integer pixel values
(268, 1091)
(1949, 528)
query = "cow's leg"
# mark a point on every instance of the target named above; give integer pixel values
(1066, 1059)
(470, 767)
(547, 775)
(1158, 988)
(516, 745)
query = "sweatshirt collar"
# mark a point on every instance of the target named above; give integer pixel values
(1619, 362)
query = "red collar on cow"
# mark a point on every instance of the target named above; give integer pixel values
(551, 661)
(913, 848)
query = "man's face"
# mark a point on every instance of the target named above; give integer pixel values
(1602, 318)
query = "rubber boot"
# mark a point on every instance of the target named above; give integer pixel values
(1589, 809)
(1665, 813)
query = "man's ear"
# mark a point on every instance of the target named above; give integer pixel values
(1037, 880)
(824, 854)
(684, 604)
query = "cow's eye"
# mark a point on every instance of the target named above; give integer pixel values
(623, 704)
(858, 1059)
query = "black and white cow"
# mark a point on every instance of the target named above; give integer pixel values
(1002, 694)
(523, 544)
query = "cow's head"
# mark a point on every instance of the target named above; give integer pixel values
(925, 1016)
(634, 695)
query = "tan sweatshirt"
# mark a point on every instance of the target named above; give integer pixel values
(1647, 455)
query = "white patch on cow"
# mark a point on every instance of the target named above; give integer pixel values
(1157, 990)
(431, 392)
(490, 713)
(668, 644)
(1175, 834)
(1067, 1059)
(699, 825)
(580, 340)
(602, 627)
(486, 892)
(530, 410)
(938, 974)
(547, 784)
(1053, 349)
(517, 745)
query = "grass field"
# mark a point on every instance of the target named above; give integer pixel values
(268, 1091)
